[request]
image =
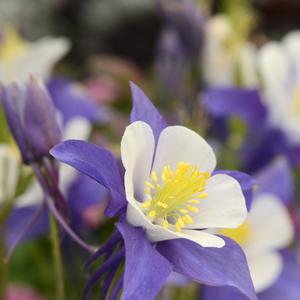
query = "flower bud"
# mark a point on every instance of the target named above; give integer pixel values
(31, 117)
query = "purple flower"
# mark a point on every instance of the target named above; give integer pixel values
(168, 193)
(263, 141)
(178, 48)
(31, 117)
(72, 101)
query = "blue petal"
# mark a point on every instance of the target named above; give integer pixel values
(144, 110)
(85, 192)
(41, 128)
(268, 179)
(20, 218)
(145, 269)
(243, 103)
(261, 147)
(226, 266)
(247, 184)
(12, 107)
(97, 163)
(221, 293)
(72, 103)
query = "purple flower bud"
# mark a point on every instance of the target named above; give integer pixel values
(31, 117)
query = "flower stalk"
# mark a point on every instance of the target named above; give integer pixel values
(59, 286)
(51, 189)
(3, 264)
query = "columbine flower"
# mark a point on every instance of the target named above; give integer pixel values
(227, 56)
(267, 229)
(279, 68)
(169, 191)
(31, 117)
(265, 236)
(19, 58)
(275, 110)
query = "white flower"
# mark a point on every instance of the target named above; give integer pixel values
(279, 69)
(170, 190)
(267, 229)
(225, 57)
(19, 59)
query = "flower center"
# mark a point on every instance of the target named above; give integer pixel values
(295, 104)
(174, 195)
(240, 235)
(12, 45)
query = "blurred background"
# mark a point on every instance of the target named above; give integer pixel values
(162, 46)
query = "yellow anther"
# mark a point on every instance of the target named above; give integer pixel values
(206, 175)
(165, 224)
(161, 204)
(154, 176)
(187, 219)
(178, 227)
(184, 211)
(192, 208)
(147, 191)
(201, 196)
(180, 222)
(150, 185)
(146, 204)
(194, 201)
(152, 214)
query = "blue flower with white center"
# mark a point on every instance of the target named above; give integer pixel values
(166, 202)
(265, 237)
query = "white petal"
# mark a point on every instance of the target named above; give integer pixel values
(273, 65)
(41, 56)
(224, 207)
(247, 56)
(217, 59)
(178, 143)
(9, 171)
(77, 128)
(264, 269)
(292, 44)
(271, 226)
(136, 217)
(137, 148)
(37, 59)
(202, 238)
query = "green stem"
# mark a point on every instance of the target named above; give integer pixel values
(115, 279)
(3, 262)
(59, 286)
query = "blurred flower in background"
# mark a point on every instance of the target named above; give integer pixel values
(20, 59)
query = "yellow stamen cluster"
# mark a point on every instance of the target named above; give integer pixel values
(295, 104)
(174, 195)
(11, 44)
(240, 235)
